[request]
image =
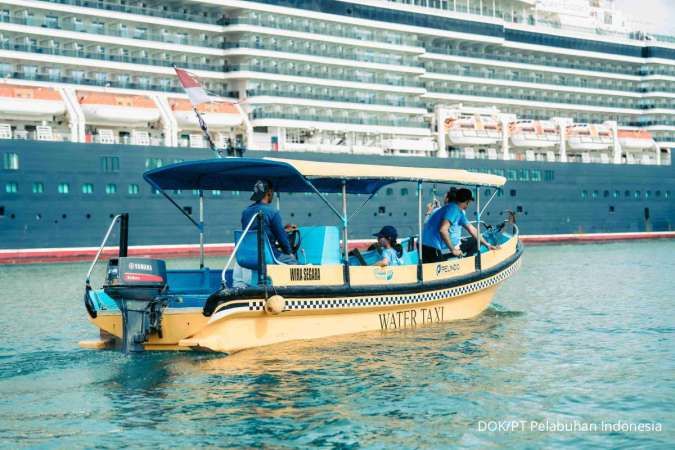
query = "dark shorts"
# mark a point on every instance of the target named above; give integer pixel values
(431, 254)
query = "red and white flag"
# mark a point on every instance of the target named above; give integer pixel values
(192, 87)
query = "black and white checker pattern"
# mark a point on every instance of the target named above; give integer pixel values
(392, 299)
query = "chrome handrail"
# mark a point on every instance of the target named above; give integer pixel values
(236, 247)
(100, 250)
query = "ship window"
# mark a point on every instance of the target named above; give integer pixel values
(616, 194)
(390, 191)
(216, 193)
(153, 163)
(611, 209)
(87, 188)
(666, 195)
(188, 209)
(64, 188)
(523, 175)
(236, 193)
(133, 189)
(500, 192)
(627, 194)
(11, 161)
(195, 192)
(177, 191)
(519, 208)
(648, 194)
(11, 187)
(511, 174)
(512, 192)
(156, 191)
(605, 194)
(2, 211)
(637, 195)
(404, 192)
(535, 175)
(110, 164)
(584, 195)
(595, 194)
(381, 210)
(111, 188)
(499, 172)
(488, 192)
(549, 175)
(38, 187)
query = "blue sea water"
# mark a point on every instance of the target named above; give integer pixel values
(582, 336)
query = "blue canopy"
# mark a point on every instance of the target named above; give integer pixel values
(240, 174)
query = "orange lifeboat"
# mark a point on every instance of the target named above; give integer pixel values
(217, 115)
(473, 130)
(636, 139)
(589, 137)
(111, 109)
(534, 134)
(29, 102)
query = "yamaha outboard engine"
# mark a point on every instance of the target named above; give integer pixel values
(138, 286)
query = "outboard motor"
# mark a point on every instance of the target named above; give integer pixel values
(138, 286)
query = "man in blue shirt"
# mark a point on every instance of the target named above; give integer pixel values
(443, 229)
(263, 194)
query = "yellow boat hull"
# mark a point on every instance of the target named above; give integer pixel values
(231, 330)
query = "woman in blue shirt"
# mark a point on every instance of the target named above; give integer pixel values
(443, 229)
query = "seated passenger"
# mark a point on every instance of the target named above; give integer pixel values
(263, 194)
(443, 230)
(386, 238)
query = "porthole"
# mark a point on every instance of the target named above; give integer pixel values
(63, 216)
(38, 216)
(292, 214)
(111, 215)
(88, 216)
(309, 214)
(12, 216)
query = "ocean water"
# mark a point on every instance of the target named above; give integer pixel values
(577, 350)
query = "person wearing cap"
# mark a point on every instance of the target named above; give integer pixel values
(386, 238)
(443, 230)
(263, 194)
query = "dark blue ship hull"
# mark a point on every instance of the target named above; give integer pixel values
(102, 180)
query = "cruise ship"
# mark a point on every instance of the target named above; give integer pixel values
(566, 98)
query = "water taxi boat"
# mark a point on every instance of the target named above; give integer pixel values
(331, 291)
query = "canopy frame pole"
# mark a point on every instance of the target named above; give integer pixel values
(489, 201)
(201, 229)
(323, 199)
(173, 202)
(420, 225)
(358, 210)
(478, 235)
(345, 231)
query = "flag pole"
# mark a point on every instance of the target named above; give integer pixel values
(205, 131)
(189, 85)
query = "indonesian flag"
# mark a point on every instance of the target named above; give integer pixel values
(192, 87)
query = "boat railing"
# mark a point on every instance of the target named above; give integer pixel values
(238, 244)
(100, 249)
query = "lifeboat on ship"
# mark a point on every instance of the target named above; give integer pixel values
(473, 130)
(104, 108)
(636, 139)
(589, 137)
(30, 102)
(324, 290)
(217, 115)
(534, 134)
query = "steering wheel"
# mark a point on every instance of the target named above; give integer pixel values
(295, 239)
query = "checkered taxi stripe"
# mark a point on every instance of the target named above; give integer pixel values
(393, 299)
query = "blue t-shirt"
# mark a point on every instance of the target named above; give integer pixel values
(391, 256)
(431, 235)
(273, 225)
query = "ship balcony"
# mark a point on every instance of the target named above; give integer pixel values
(160, 12)
(405, 41)
(342, 119)
(367, 99)
(579, 64)
(378, 62)
(140, 34)
(408, 85)
(108, 56)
